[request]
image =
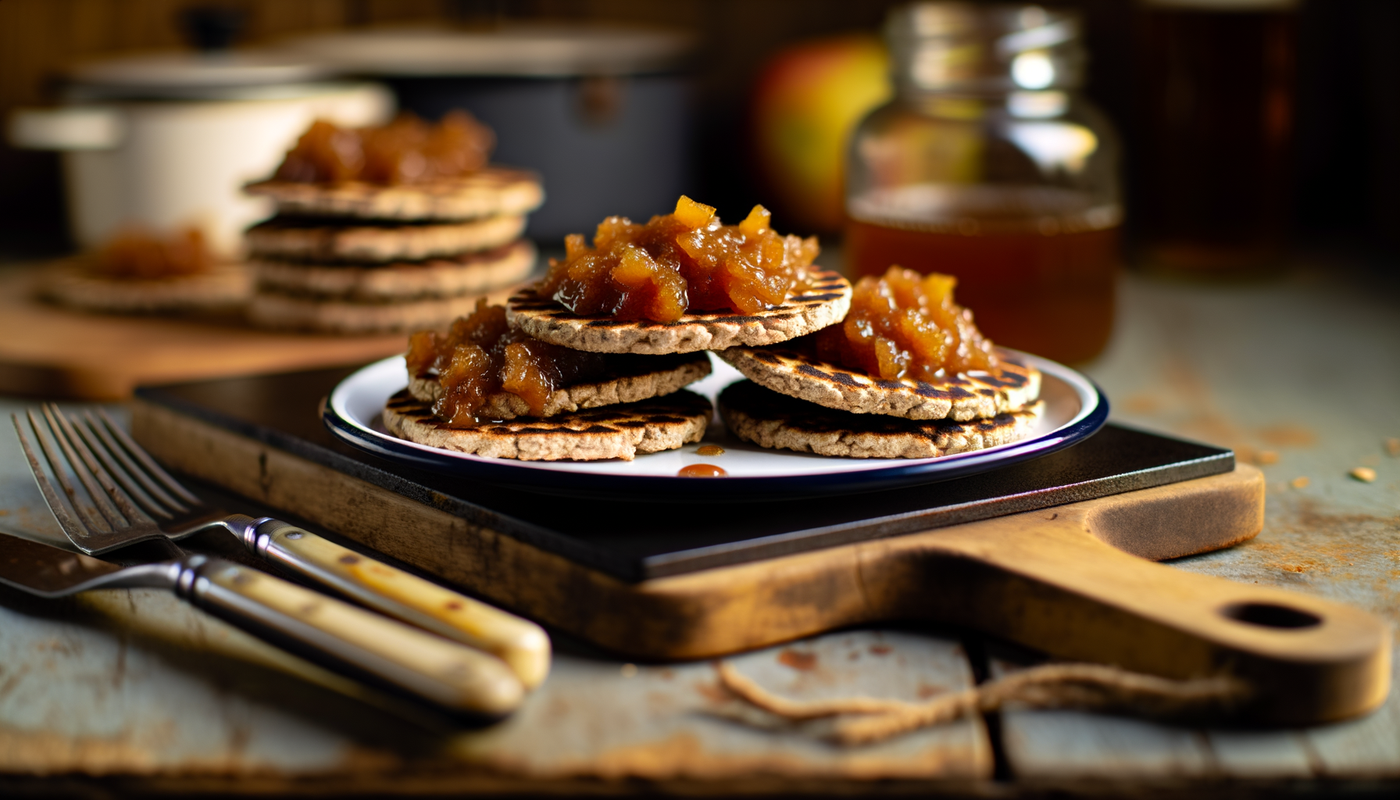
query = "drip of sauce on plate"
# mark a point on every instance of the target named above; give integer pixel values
(710, 450)
(702, 471)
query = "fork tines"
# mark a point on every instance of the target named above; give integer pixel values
(118, 496)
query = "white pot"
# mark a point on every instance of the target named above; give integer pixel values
(169, 142)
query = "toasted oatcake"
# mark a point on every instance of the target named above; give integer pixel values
(618, 431)
(72, 284)
(341, 316)
(632, 378)
(795, 372)
(437, 277)
(322, 239)
(824, 304)
(493, 191)
(773, 420)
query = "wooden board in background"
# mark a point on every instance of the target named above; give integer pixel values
(52, 352)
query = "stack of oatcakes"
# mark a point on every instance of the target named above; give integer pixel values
(535, 381)
(388, 229)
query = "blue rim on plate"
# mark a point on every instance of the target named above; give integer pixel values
(352, 416)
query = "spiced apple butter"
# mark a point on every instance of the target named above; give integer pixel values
(906, 325)
(686, 261)
(480, 355)
(138, 254)
(407, 150)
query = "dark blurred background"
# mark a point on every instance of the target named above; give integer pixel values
(1342, 174)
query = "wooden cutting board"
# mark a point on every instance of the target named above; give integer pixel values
(54, 352)
(1051, 553)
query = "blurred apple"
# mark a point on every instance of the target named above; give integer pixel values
(807, 100)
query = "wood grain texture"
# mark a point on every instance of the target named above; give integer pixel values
(1055, 580)
(131, 684)
(53, 352)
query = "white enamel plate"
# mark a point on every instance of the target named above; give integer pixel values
(1075, 408)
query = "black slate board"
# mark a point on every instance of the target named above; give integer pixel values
(636, 541)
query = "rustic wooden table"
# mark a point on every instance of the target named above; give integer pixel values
(130, 692)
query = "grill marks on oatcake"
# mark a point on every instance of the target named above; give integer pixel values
(368, 241)
(797, 373)
(773, 420)
(491, 191)
(617, 431)
(825, 303)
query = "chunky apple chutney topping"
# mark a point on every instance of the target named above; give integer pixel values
(906, 325)
(139, 254)
(480, 355)
(686, 261)
(407, 150)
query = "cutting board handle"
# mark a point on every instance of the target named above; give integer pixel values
(1075, 581)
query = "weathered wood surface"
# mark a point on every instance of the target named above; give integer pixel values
(1258, 368)
(135, 683)
(1303, 379)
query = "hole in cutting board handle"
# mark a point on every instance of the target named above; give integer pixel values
(1271, 615)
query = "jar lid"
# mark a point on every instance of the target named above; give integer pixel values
(216, 75)
(506, 51)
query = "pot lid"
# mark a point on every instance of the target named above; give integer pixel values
(509, 50)
(221, 74)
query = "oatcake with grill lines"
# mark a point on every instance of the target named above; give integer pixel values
(449, 276)
(617, 431)
(493, 191)
(823, 304)
(796, 372)
(369, 242)
(777, 421)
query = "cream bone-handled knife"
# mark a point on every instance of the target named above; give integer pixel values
(172, 511)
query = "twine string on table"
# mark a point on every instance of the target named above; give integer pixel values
(863, 720)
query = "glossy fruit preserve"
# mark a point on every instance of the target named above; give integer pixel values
(481, 355)
(906, 325)
(679, 262)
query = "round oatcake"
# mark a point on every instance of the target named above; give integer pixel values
(491, 192)
(631, 378)
(822, 305)
(795, 372)
(324, 239)
(225, 287)
(335, 315)
(620, 431)
(773, 420)
(437, 277)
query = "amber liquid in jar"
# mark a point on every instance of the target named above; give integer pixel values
(1036, 266)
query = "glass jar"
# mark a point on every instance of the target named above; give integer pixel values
(990, 166)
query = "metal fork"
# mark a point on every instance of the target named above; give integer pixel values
(330, 632)
(155, 506)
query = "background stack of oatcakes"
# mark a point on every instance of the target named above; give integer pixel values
(357, 257)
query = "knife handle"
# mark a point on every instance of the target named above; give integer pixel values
(521, 644)
(340, 636)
